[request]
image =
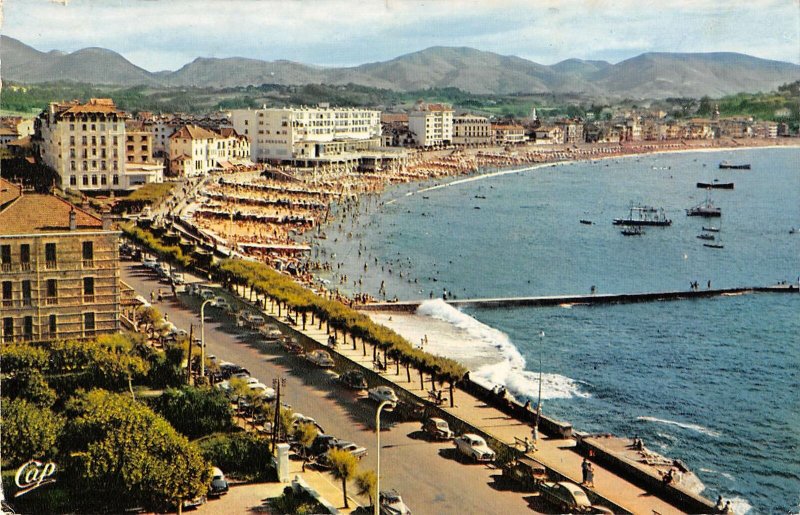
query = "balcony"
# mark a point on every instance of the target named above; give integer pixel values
(88, 263)
(51, 301)
(88, 299)
(51, 265)
(25, 267)
(5, 267)
(7, 303)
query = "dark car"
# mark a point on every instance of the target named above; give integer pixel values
(354, 379)
(219, 485)
(321, 445)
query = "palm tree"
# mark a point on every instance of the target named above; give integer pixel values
(343, 466)
(366, 481)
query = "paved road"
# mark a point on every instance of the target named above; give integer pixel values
(428, 475)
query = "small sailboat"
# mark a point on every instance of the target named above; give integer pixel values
(706, 208)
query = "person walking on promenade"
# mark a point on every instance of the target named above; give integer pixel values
(585, 471)
(589, 475)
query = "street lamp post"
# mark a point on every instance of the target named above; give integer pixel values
(539, 402)
(203, 339)
(377, 500)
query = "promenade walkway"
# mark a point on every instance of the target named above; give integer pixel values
(557, 454)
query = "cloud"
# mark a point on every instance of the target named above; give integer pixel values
(166, 34)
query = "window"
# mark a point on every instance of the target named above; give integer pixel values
(115, 165)
(72, 126)
(85, 153)
(88, 289)
(50, 255)
(115, 178)
(94, 140)
(130, 148)
(8, 329)
(94, 180)
(52, 292)
(5, 257)
(7, 294)
(53, 325)
(114, 139)
(27, 327)
(73, 181)
(83, 127)
(85, 168)
(83, 139)
(88, 322)
(103, 178)
(72, 140)
(72, 166)
(85, 179)
(88, 250)
(102, 140)
(26, 292)
(25, 256)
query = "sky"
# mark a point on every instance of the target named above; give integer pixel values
(166, 34)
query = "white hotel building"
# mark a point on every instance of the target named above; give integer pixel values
(309, 136)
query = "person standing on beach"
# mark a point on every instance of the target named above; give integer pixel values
(585, 471)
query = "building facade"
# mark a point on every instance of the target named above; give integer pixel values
(194, 150)
(508, 134)
(60, 269)
(86, 145)
(431, 124)
(308, 135)
(471, 130)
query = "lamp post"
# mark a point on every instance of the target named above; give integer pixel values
(539, 402)
(377, 501)
(203, 339)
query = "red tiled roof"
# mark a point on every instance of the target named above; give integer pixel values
(394, 117)
(8, 191)
(194, 132)
(35, 213)
(94, 105)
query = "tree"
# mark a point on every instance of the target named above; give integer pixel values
(29, 432)
(343, 466)
(305, 434)
(195, 411)
(366, 481)
(126, 453)
(30, 385)
(22, 357)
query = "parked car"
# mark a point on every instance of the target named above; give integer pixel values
(383, 393)
(189, 504)
(525, 471)
(291, 346)
(568, 497)
(178, 278)
(219, 485)
(265, 392)
(253, 319)
(149, 263)
(474, 447)
(354, 379)
(392, 504)
(206, 294)
(437, 428)
(271, 333)
(356, 450)
(299, 418)
(321, 444)
(321, 359)
(223, 304)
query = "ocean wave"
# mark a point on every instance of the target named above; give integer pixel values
(510, 370)
(684, 425)
(740, 506)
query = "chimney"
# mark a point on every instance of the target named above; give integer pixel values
(106, 221)
(73, 219)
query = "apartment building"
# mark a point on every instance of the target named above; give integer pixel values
(85, 145)
(60, 269)
(194, 150)
(508, 134)
(471, 130)
(431, 124)
(309, 136)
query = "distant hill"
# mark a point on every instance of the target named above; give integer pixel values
(651, 75)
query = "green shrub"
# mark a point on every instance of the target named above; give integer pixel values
(240, 455)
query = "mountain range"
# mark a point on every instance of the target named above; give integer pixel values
(649, 75)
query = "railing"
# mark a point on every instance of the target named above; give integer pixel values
(50, 301)
(7, 303)
(51, 264)
(25, 267)
(88, 299)
(88, 263)
(5, 267)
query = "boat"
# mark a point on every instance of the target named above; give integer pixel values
(644, 215)
(716, 244)
(633, 230)
(586, 222)
(716, 185)
(706, 209)
(711, 229)
(725, 165)
(705, 236)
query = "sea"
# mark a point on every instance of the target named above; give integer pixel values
(714, 382)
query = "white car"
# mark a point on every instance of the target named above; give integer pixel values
(222, 304)
(383, 393)
(263, 390)
(474, 447)
(149, 263)
(320, 358)
(250, 380)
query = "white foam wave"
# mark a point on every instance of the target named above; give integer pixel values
(740, 506)
(685, 425)
(505, 366)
